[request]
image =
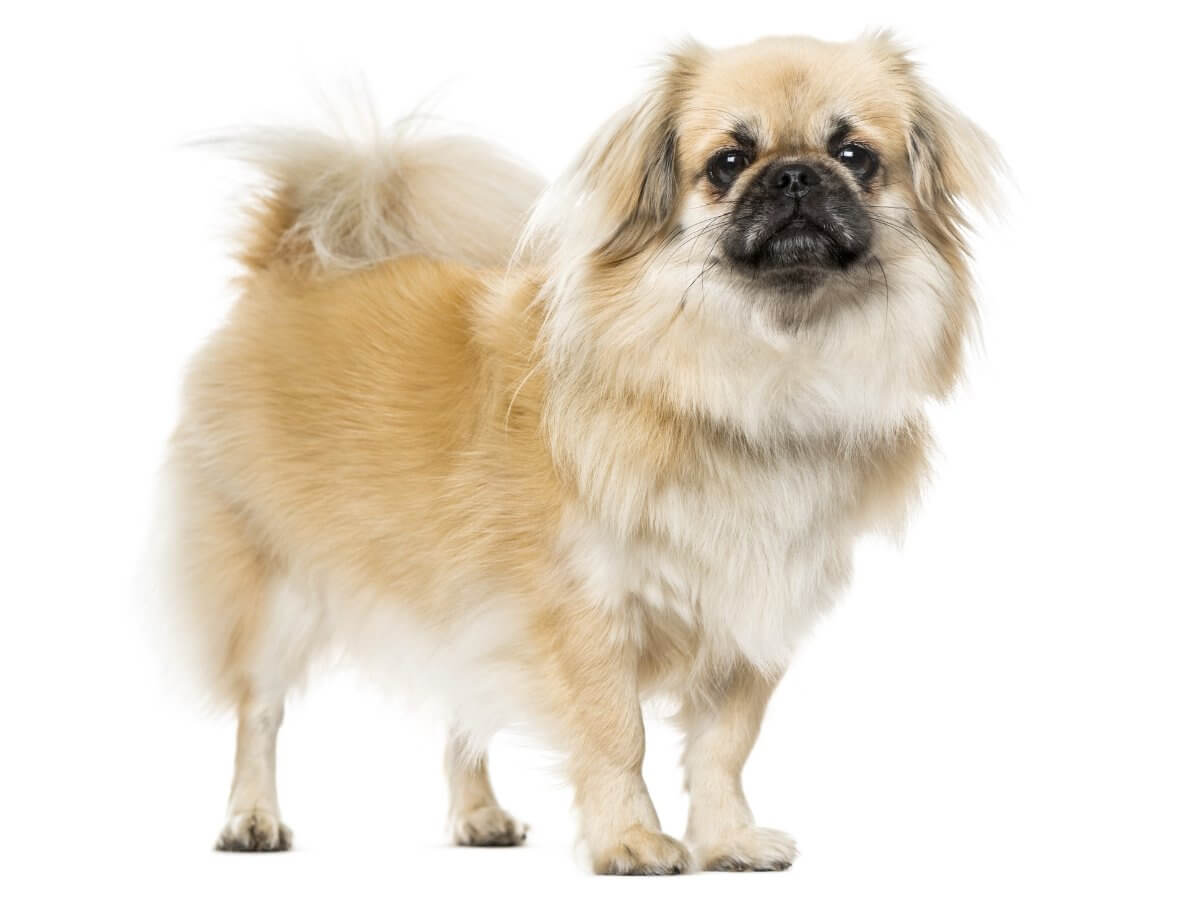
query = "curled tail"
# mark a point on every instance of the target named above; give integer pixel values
(335, 203)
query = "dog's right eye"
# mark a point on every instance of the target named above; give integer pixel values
(725, 166)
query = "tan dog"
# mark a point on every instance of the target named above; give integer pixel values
(629, 455)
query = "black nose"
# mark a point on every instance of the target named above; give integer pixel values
(795, 179)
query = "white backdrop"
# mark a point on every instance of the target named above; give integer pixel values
(1005, 706)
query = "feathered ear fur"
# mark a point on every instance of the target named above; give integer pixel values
(953, 162)
(631, 165)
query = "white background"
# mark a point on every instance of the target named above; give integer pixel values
(1006, 706)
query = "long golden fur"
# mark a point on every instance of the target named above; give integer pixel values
(546, 478)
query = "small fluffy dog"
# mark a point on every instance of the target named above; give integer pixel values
(548, 456)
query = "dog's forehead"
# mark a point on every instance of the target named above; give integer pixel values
(791, 92)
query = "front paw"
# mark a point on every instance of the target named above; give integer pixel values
(254, 831)
(643, 852)
(748, 849)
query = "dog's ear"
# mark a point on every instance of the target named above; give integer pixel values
(630, 166)
(953, 163)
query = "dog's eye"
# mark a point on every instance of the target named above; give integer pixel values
(860, 160)
(725, 166)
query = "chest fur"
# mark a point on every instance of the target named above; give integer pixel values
(730, 566)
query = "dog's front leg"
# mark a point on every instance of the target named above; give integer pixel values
(721, 730)
(597, 706)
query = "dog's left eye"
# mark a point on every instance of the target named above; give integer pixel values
(725, 166)
(860, 160)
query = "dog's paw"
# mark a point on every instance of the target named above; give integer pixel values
(748, 849)
(254, 831)
(643, 852)
(488, 826)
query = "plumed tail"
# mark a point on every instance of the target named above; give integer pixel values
(336, 203)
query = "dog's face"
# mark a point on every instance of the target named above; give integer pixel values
(783, 147)
(791, 173)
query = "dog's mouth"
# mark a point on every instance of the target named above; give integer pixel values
(798, 241)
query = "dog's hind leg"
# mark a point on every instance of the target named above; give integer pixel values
(251, 635)
(290, 628)
(476, 819)
(253, 822)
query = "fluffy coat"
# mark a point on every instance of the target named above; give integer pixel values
(546, 478)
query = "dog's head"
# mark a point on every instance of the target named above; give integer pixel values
(784, 160)
(790, 187)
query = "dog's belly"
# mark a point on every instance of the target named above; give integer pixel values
(468, 668)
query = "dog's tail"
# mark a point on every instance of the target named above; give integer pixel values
(336, 203)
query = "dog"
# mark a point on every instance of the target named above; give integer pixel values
(540, 452)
